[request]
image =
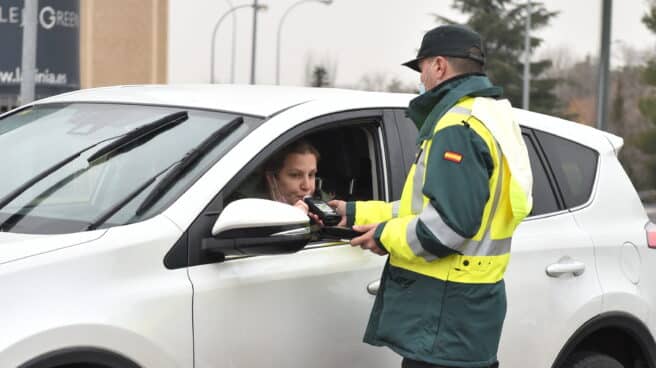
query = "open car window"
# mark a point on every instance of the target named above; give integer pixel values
(352, 166)
(347, 169)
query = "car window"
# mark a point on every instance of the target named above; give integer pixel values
(574, 167)
(346, 169)
(351, 167)
(544, 198)
(78, 193)
(408, 132)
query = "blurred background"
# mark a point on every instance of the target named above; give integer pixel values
(590, 61)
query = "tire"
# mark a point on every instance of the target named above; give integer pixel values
(589, 359)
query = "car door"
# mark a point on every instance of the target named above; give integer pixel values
(307, 309)
(551, 281)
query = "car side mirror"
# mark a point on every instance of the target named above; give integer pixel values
(258, 227)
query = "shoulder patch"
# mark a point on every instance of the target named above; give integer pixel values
(452, 156)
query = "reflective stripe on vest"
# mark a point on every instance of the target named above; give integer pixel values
(417, 203)
(487, 246)
(442, 231)
(415, 244)
(396, 206)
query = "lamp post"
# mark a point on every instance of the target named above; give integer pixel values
(527, 59)
(216, 27)
(28, 66)
(256, 8)
(604, 64)
(234, 43)
(325, 2)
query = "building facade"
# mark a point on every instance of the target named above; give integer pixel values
(84, 44)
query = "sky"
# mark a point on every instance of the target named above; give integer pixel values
(366, 37)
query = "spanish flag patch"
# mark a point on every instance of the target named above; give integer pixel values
(453, 156)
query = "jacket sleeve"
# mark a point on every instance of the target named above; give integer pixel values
(458, 170)
(370, 212)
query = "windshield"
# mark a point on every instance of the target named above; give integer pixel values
(72, 196)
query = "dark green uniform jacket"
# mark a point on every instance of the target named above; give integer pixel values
(442, 296)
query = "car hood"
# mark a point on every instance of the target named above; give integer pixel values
(17, 246)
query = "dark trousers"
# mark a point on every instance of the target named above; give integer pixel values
(409, 363)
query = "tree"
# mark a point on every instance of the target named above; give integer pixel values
(649, 19)
(646, 141)
(321, 73)
(396, 85)
(319, 77)
(502, 24)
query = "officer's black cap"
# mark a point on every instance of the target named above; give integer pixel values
(449, 40)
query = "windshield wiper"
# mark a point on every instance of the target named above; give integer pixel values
(149, 131)
(179, 168)
(140, 135)
(189, 160)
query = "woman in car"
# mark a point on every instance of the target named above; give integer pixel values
(290, 174)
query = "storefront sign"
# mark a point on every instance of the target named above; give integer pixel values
(58, 46)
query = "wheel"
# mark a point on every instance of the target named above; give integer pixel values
(589, 359)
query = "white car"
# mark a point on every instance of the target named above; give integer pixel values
(123, 241)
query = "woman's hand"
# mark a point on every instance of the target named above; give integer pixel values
(301, 205)
(340, 208)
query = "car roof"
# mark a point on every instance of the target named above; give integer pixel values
(266, 100)
(257, 100)
(600, 140)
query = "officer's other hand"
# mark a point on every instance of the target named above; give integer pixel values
(366, 240)
(340, 208)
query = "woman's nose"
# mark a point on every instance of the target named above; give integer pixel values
(305, 183)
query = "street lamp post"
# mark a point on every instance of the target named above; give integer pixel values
(234, 43)
(216, 27)
(256, 8)
(604, 64)
(325, 2)
(28, 65)
(254, 42)
(526, 91)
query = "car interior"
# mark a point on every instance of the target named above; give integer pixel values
(346, 169)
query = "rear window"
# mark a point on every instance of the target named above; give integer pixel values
(574, 167)
(544, 199)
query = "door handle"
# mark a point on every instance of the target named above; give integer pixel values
(564, 266)
(373, 287)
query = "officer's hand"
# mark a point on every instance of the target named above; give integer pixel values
(366, 240)
(340, 208)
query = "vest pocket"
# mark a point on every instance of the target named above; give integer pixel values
(411, 307)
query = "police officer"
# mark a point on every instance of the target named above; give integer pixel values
(442, 297)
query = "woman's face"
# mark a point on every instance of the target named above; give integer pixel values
(296, 177)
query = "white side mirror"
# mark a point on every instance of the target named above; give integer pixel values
(250, 213)
(253, 227)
